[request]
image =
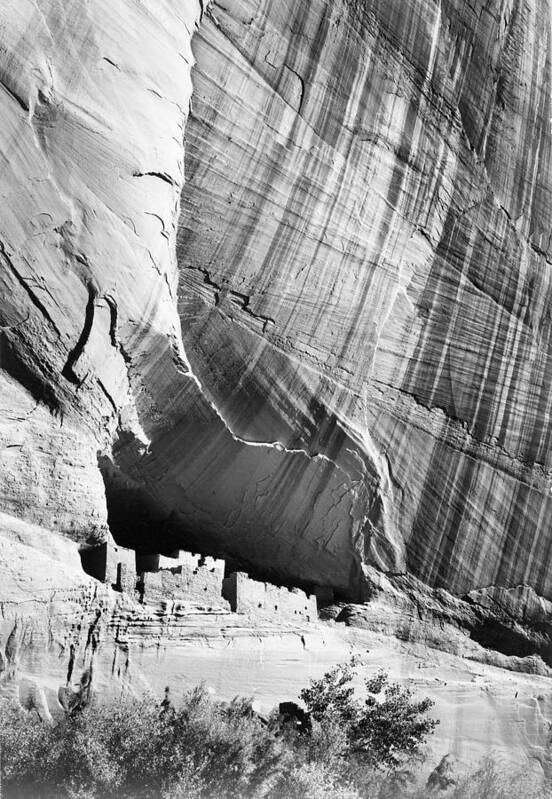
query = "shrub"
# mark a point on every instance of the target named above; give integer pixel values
(385, 732)
(204, 748)
(492, 780)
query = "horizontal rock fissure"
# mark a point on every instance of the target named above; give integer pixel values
(164, 176)
(242, 301)
(518, 627)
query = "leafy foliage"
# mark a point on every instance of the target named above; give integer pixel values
(333, 694)
(133, 749)
(204, 748)
(389, 728)
(492, 780)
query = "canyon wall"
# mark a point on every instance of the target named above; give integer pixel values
(275, 284)
(364, 260)
(63, 633)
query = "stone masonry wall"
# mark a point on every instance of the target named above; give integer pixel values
(111, 564)
(255, 598)
(197, 580)
(186, 577)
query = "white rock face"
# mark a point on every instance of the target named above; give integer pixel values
(59, 626)
(307, 388)
(364, 250)
(292, 305)
(92, 150)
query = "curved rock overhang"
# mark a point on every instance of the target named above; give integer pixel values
(348, 360)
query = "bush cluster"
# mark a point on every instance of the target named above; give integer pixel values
(208, 749)
(387, 730)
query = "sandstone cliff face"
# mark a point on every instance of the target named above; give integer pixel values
(292, 304)
(62, 632)
(91, 163)
(364, 258)
(289, 304)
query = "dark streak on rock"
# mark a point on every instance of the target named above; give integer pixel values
(71, 663)
(108, 395)
(23, 282)
(93, 631)
(18, 99)
(113, 321)
(113, 64)
(237, 298)
(161, 175)
(113, 328)
(302, 82)
(76, 352)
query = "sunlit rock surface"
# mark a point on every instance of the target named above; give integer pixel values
(290, 304)
(91, 150)
(360, 367)
(364, 264)
(60, 629)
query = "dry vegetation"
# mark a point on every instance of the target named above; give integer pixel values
(207, 749)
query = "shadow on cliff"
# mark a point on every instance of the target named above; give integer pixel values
(138, 522)
(135, 519)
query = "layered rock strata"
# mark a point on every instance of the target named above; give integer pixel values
(291, 304)
(63, 633)
(510, 628)
(358, 367)
(365, 284)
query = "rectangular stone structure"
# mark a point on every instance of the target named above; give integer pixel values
(126, 578)
(102, 562)
(186, 578)
(255, 598)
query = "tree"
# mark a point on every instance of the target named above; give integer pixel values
(389, 728)
(333, 695)
(202, 747)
